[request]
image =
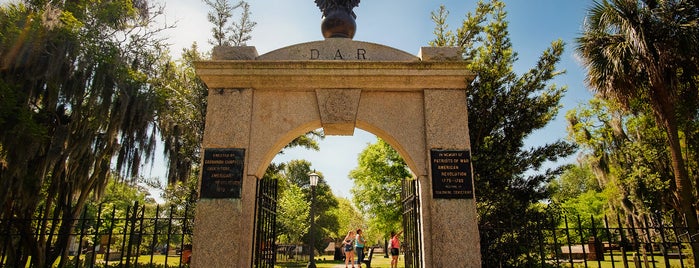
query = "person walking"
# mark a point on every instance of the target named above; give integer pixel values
(395, 248)
(359, 247)
(348, 248)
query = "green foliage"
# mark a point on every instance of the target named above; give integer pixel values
(586, 205)
(307, 141)
(293, 201)
(645, 52)
(505, 108)
(293, 177)
(292, 216)
(119, 193)
(627, 154)
(181, 114)
(113, 206)
(76, 102)
(444, 37)
(576, 180)
(182, 195)
(377, 187)
(227, 33)
(244, 26)
(349, 217)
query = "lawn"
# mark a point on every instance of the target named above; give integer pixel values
(158, 261)
(378, 261)
(618, 262)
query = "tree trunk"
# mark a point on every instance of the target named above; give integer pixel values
(683, 192)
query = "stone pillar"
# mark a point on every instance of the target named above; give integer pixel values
(223, 227)
(450, 227)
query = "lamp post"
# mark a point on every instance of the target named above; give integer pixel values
(314, 181)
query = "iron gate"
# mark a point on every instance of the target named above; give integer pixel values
(266, 217)
(411, 223)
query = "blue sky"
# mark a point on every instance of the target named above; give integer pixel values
(404, 25)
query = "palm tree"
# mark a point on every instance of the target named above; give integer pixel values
(645, 50)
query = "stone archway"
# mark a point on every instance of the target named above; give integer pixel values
(257, 104)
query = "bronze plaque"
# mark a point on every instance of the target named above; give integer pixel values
(222, 173)
(451, 174)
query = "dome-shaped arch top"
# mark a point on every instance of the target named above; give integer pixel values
(338, 49)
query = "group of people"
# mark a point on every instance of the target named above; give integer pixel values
(354, 243)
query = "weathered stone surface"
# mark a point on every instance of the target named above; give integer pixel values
(234, 53)
(452, 222)
(338, 110)
(225, 106)
(309, 75)
(440, 54)
(338, 49)
(217, 240)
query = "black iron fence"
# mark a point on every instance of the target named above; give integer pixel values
(154, 236)
(135, 236)
(588, 242)
(411, 224)
(266, 222)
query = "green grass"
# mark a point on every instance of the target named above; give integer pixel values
(618, 262)
(143, 260)
(378, 261)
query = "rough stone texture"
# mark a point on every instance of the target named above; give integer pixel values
(395, 117)
(234, 53)
(338, 49)
(261, 105)
(365, 75)
(219, 224)
(440, 54)
(451, 222)
(338, 110)
(278, 119)
(228, 122)
(224, 107)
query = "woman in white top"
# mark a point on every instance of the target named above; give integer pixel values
(348, 248)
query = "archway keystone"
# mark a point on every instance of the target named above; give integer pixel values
(338, 110)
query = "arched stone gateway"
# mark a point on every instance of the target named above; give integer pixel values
(258, 104)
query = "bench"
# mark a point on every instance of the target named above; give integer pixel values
(367, 261)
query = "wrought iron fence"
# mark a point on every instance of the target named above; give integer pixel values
(135, 236)
(588, 242)
(153, 236)
(266, 220)
(411, 223)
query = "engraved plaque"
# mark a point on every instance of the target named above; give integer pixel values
(451, 174)
(222, 173)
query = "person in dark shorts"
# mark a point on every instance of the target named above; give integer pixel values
(395, 246)
(348, 248)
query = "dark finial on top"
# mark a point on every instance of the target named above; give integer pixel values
(338, 18)
(329, 5)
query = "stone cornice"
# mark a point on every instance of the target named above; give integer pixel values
(368, 75)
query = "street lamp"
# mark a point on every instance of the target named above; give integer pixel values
(314, 181)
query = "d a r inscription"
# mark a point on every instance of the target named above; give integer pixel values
(338, 54)
(222, 173)
(451, 174)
